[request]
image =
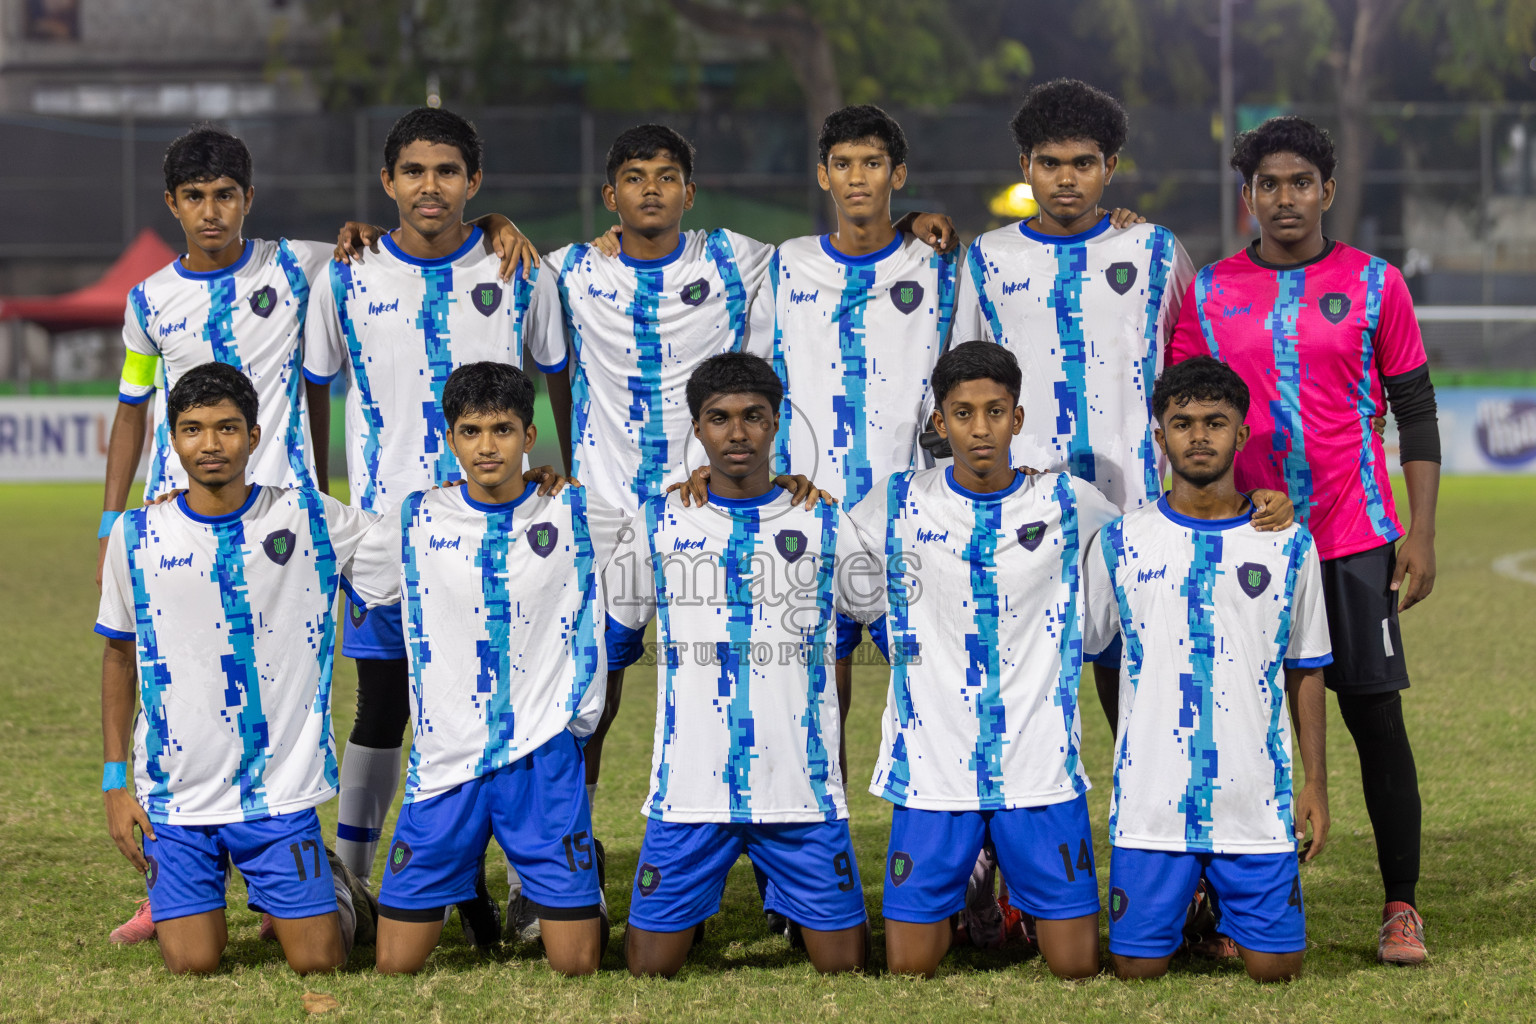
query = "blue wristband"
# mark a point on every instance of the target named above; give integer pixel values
(114, 775)
(107, 519)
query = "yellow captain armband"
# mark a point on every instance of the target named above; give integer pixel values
(139, 370)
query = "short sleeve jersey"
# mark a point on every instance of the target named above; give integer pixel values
(231, 619)
(985, 631)
(250, 315)
(1314, 343)
(1088, 316)
(398, 326)
(855, 339)
(747, 726)
(1211, 613)
(636, 330)
(502, 615)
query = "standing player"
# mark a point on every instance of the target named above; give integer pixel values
(1225, 637)
(220, 604)
(1324, 336)
(978, 577)
(398, 325)
(746, 736)
(502, 598)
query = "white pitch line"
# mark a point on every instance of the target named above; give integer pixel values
(1519, 566)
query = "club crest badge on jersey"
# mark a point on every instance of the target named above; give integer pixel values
(901, 867)
(358, 614)
(1121, 276)
(542, 538)
(694, 293)
(399, 856)
(152, 873)
(279, 546)
(486, 297)
(1334, 306)
(1031, 534)
(1253, 578)
(1119, 903)
(906, 295)
(264, 301)
(648, 878)
(791, 544)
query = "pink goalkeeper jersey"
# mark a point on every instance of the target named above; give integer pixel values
(1313, 342)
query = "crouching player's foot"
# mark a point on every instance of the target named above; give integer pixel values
(136, 929)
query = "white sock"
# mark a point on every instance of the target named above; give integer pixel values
(591, 794)
(369, 778)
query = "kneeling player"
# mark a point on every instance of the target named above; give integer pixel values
(501, 591)
(1210, 612)
(747, 723)
(977, 571)
(220, 602)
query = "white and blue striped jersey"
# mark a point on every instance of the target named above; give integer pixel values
(854, 341)
(984, 619)
(1088, 316)
(1211, 612)
(399, 326)
(502, 615)
(636, 330)
(747, 726)
(250, 315)
(231, 622)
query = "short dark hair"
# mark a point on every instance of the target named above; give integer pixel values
(207, 153)
(1285, 134)
(1201, 379)
(976, 360)
(733, 373)
(857, 123)
(210, 384)
(643, 142)
(1066, 108)
(433, 124)
(487, 387)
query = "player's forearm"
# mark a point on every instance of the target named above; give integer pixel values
(318, 397)
(124, 447)
(558, 387)
(117, 700)
(1423, 484)
(1309, 720)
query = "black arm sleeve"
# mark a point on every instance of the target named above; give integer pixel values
(1411, 397)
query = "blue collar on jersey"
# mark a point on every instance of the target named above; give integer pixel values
(658, 262)
(442, 261)
(209, 275)
(491, 508)
(228, 517)
(859, 261)
(774, 490)
(1082, 236)
(987, 497)
(1205, 525)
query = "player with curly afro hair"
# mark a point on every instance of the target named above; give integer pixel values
(1066, 108)
(1287, 134)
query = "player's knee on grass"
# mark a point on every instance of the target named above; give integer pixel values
(573, 947)
(912, 948)
(311, 944)
(1140, 968)
(835, 952)
(403, 946)
(193, 944)
(1071, 946)
(1272, 967)
(652, 954)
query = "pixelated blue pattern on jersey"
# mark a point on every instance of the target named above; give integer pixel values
(817, 759)
(1112, 544)
(325, 565)
(219, 330)
(977, 262)
(160, 453)
(587, 638)
(1161, 245)
(581, 388)
(1197, 715)
(1068, 626)
(1373, 275)
(849, 432)
(645, 406)
(780, 367)
(432, 321)
(342, 284)
(982, 678)
(1274, 681)
(719, 248)
(736, 663)
(155, 676)
(902, 638)
(1289, 437)
(243, 691)
(1072, 393)
(415, 635)
(298, 284)
(1203, 281)
(668, 716)
(494, 681)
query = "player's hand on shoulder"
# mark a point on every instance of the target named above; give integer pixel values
(937, 229)
(1122, 218)
(802, 491)
(695, 489)
(549, 479)
(607, 243)
(1272, 511)
(161, 499)
(354, 237)
(123, 813)
(510, 244)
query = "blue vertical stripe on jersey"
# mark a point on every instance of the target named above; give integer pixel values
(976, 263)
(983, 676)
(585, 643)
(416, 643)
(647, 413)
(436, 302)
(814, 646)
(243, 691)
(944, 268)
(1289, 440)
(780, 367)
(736, 660)
(1197, 711)
(342, 286)
(1203, 282)
(1116, 556)
(293, 377)
(159, 456)
(1066, 299)
(1160, 244)
(219, 327)
(323, 634)
(1296, 550)
(667, 726)
(522, 298)
(718, 246)
(154, 674)
(493, 683)
(1069, 628)
(849, 443)
(902, 642)
(1374, 278)
(581, 390)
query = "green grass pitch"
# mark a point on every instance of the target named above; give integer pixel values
(1471, 648)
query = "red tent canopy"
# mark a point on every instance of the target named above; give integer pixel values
(96, 305)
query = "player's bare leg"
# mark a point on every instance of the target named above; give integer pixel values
(656, 953)
(846, 949)
(1271, 966)
(1106, 681)
(844, 675)
(573, 947)
(312, 944)
(912, 948)
(1070, 946)
(193, 944)
(405, 945)
(1136, 968)
(594, 748)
